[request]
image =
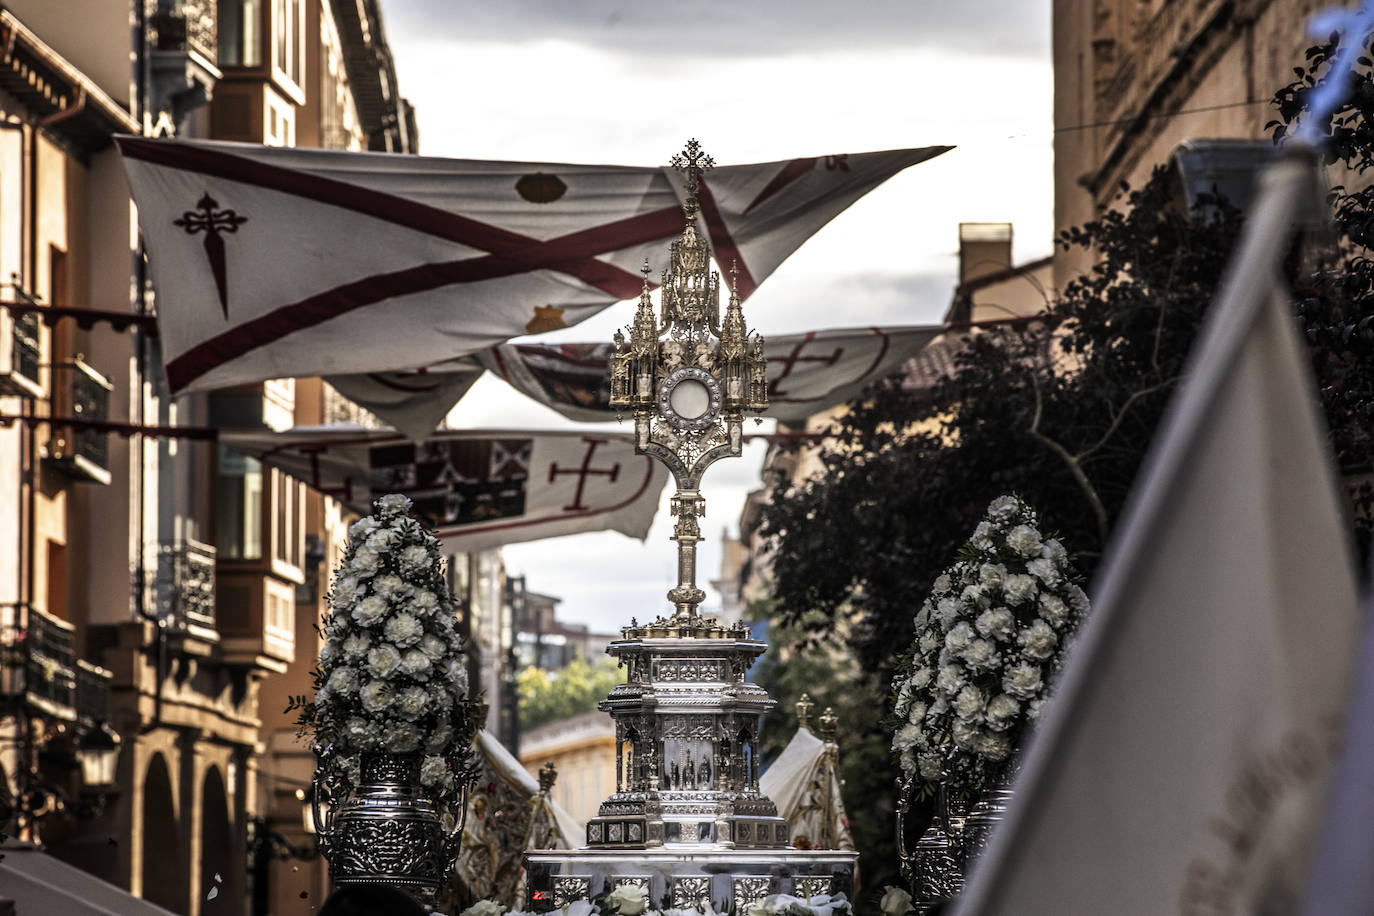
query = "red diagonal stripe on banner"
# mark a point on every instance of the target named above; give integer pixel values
(367, 201)
(786, 175)
(726, 251)
(321, 307)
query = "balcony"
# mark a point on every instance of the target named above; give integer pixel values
(92, 693)
(185, 587)
(83, 394)
(20, 361)
(39, 664)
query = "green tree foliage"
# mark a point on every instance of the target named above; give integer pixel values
(548, 696)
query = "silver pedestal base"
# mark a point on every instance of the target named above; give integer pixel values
(731, 879)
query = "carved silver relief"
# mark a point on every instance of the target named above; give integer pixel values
(749, 891)
(691, 892)
(806, 888)
(571, 888)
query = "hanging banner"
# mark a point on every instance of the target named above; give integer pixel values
(278, 262)
(807, 373)
(475, 489)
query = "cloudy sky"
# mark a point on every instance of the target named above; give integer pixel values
(613, 81)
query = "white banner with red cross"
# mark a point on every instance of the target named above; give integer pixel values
(807, 373)
(272, 262)
(475, 489)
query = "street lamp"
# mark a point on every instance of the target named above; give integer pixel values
(98, 753)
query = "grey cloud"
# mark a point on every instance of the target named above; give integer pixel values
(710, 28)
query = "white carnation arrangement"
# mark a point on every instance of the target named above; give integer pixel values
(989, 640)
(630, 900)
(392, 677)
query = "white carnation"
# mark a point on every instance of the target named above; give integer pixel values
(458, 675)
(404, 630)
(357, 730)
(393, 504)
(1019, 588)
(931, 766)
(391, 586)
(375, 696)
(1025, 540)
(998, 623)
(412, 702)
(958, 638)
(906, 737)
(1053, 608)
(435, 772)
(1003, 507)
(330, 650)
(1044, 570)
(414, 558)
(433, 647)
(381, 540)
(1053, 550)
(918, 712)
(992, 574)
(1078, 600)
(425, 602)
(1022, 680)
(416, 664)
(903, 703)
(1034, 708)
(981, 655)
(982, 536)
(977, 595)
(920, 678)
(949, 610)
(969, 704)
(942, 583)
(928, 642)
(951, 679)
(993, 746)
(345, 590)
(365, 562)
(1002, 709)
(402, 737)
(370, 610)
(438, 738)
(344, 680)
(1037, 641)
(383, 661)
(965, 734)
(362, 527)
(356, 645)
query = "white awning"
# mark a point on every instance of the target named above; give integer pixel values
(36, 883)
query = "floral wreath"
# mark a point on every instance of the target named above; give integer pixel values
(989, 640)
(392, 676)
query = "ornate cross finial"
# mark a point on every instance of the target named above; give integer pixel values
(804, 707)
(693, 162)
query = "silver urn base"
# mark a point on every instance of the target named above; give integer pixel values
(388, 831)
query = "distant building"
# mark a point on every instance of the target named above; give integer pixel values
(1134, 80)
(549, 643)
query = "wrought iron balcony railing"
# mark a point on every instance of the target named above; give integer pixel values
(20, 373)
(186, 584)
(84, 394)
(92, 693)
(37, 663)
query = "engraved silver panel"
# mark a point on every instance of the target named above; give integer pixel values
(806, 888)
(692, 892)
(571, 888)
(749, 891)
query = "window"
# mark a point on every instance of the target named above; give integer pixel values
(288, 41)
(288, 504)
(240, 33)
(238, 506)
